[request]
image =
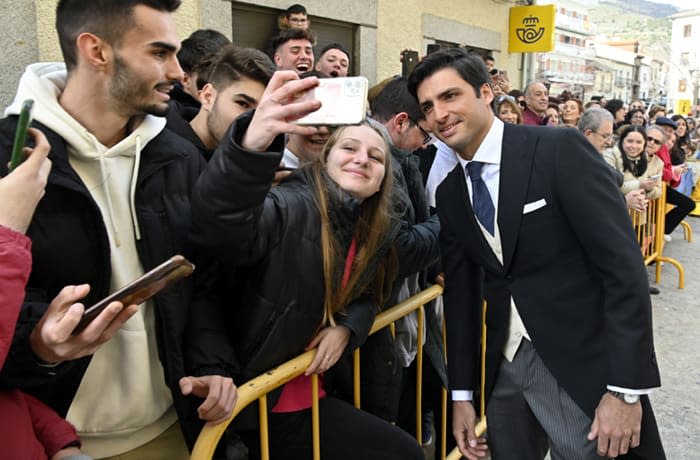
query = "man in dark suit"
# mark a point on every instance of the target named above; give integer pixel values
(533, 223)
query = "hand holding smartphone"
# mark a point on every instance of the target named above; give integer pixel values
(141, 289)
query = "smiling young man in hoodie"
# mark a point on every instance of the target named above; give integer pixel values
(116, 205)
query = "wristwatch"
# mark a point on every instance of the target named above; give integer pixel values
(625, 397)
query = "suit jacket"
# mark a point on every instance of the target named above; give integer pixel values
(571, 263)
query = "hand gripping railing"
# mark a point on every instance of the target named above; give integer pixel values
(257, 388)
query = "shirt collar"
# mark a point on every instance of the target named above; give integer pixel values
(489, 151)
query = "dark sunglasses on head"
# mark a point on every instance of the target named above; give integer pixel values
(504, 97)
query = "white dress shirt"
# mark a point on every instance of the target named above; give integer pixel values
(444, 162)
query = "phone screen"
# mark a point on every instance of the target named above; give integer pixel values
(25, 118)
(141, 289)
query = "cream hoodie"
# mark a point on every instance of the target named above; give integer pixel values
(123, 401)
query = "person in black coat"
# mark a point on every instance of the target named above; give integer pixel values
(533, 222)
(318, 255)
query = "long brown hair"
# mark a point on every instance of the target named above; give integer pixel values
(371, 230)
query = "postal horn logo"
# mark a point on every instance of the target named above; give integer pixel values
(529, 33)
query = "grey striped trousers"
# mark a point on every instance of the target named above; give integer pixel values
(529, 413)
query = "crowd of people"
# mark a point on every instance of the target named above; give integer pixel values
(676, 140)
(144, 147)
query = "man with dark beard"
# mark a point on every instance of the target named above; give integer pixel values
(116, 205)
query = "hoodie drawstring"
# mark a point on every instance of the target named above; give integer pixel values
(132, 192)
(110, 207)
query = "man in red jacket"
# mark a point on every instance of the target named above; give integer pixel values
(35, 431)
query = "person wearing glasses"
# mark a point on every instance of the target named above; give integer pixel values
(592, 123)
(597, 125)
(508, 110)
(296, 18)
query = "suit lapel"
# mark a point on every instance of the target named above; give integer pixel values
(517, 155)
(467, 220)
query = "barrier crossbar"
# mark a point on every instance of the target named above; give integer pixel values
(258, 387)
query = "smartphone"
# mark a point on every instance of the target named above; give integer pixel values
(343, 102)
(655, 177)
(141, 289)
(409, 60)
(25, 118)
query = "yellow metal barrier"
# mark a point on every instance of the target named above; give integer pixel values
(257, 388)
(649, 228)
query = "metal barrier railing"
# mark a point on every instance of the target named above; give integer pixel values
(649, 228)
(257, 388)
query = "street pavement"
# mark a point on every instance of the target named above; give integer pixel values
(676, 316)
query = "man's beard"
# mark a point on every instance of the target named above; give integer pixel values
(128, 92)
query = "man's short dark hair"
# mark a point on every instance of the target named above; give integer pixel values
(231, 63)
(200, 44)
(295, 9)
(107, 19)
(469, 66)
(488, 57)
(334, 46)
(292, 34)
(393, 99)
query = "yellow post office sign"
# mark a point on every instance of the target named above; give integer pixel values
(683, 106)
(531, 29)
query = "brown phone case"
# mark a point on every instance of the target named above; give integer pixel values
(141, 289)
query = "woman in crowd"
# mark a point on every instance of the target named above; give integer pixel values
(682, 139)
(672, 176)
(680, 150)
(691, 125)
(571, 112)
(635, 117)
(508, 110)
(656, 111)
(317, 256)
(552, 114)
(641, 171)
(618, 110)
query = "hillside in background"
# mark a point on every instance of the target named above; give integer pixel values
(644, 21)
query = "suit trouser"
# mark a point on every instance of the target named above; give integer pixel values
(529, 413)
